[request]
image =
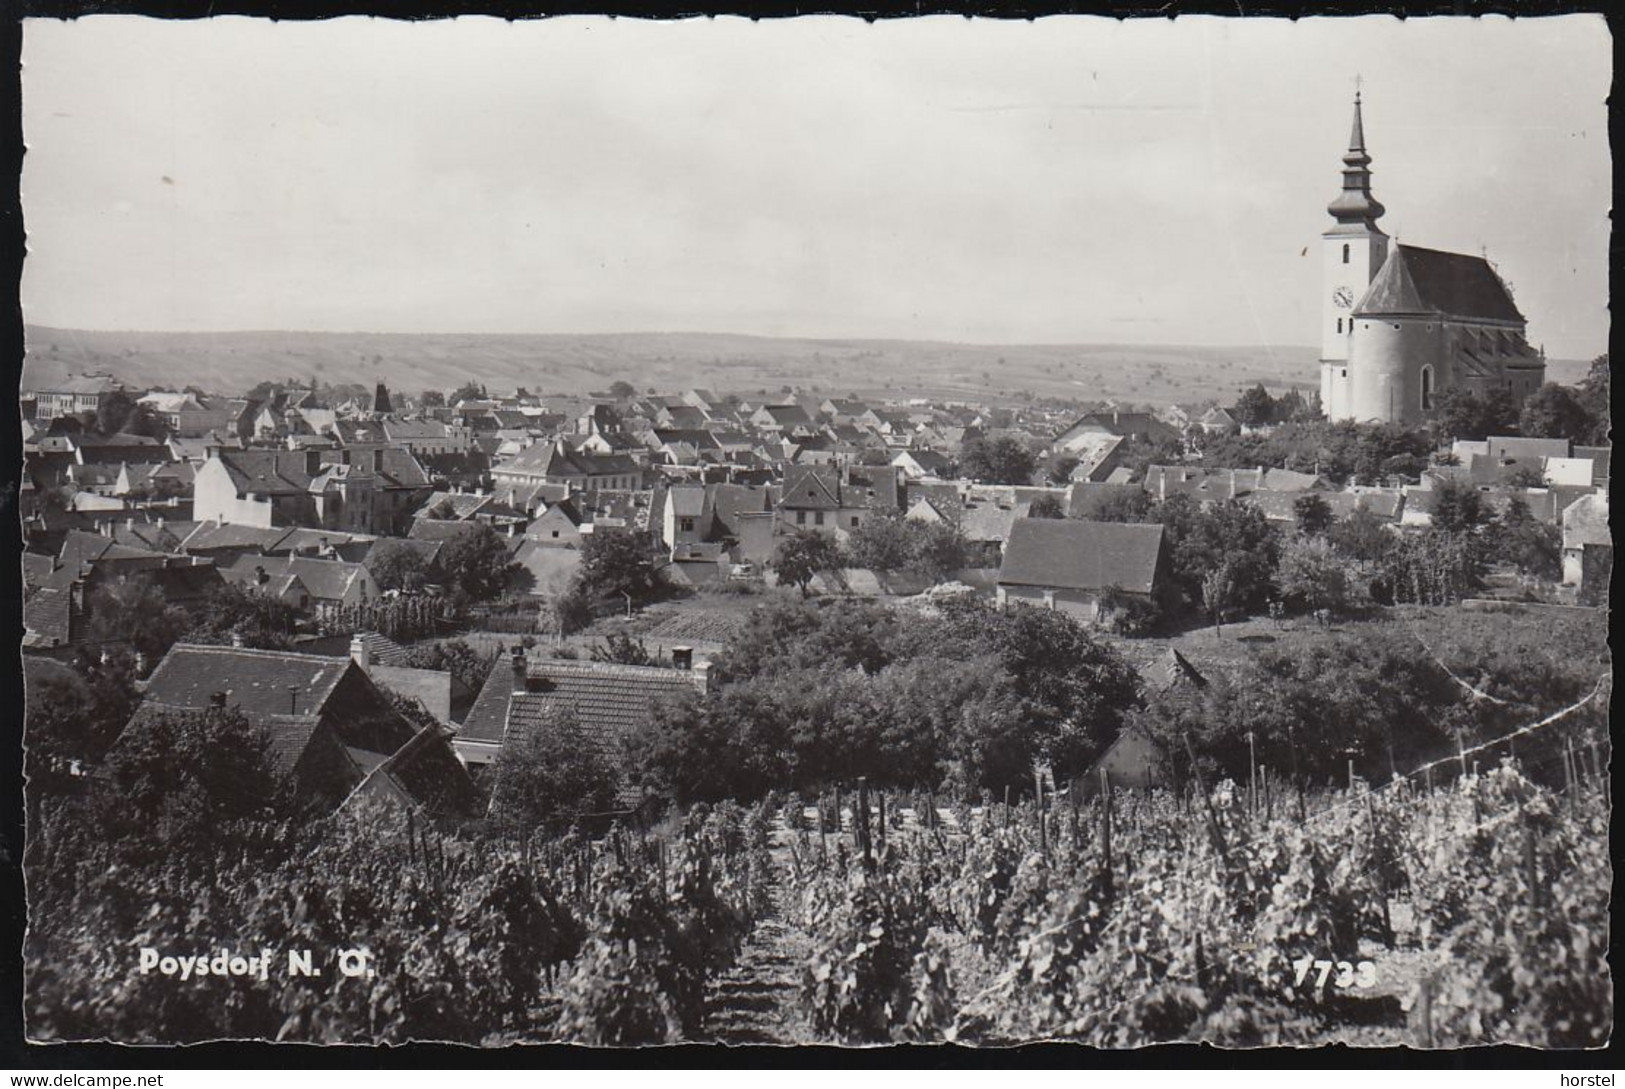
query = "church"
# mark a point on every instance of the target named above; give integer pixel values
(1400, 324)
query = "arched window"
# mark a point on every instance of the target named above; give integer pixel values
(1427, 389)
(1345, 253)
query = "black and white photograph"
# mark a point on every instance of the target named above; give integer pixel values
(810, 531)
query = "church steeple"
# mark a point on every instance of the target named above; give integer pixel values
(1355, 209)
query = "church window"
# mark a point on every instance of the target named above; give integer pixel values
(1345, 253)
(1339, 325)
(1427, 389)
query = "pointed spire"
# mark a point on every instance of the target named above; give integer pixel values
(1355, 209)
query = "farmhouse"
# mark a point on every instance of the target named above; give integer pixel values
(329, 726)
(1067, 564)
(605, 702)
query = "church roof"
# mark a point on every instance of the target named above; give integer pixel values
(1420, 281)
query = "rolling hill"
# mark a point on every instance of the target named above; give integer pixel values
(571, 364)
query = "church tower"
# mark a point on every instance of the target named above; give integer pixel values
(1352, 252)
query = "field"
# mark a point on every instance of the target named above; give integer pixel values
(574, 365)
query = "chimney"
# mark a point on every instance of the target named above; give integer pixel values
(378, 460)
(76, 595)
(293, 699)
(344, 456)
(682, 657)
(702, 678)
(260, 576)
(520, 675)
(313, 462)
(360, 653)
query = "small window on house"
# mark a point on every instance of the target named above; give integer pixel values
(854, 521)
(1345, 253)
(818, 518)
(1427, 389)
(1339, 325)
(801, 517)
(1344, 373)
(555, 534)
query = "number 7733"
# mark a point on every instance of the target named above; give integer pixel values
(1362, 975)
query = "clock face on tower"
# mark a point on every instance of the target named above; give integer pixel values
(1343, 298)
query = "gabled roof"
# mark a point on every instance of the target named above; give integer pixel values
(428, 550)
(785, 415)
(929, 460)
(326, 580)
(433, 529)
(462, 505)
(1287, 480)
(1415, 281)
(1068, 553)
(686, 501)
(257, 681)
(1526, 451)
(812, 487)
(290, 735)
(605, 702)
(424, 774)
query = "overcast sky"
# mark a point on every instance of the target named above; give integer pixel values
(1069, 180)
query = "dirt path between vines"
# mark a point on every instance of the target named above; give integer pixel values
(758, 1000)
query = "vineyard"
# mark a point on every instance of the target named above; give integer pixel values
(1471, 912)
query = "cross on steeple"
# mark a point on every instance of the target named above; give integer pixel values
(1358, 79)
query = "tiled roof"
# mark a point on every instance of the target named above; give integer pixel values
(1414, 280)
(428, 550)
(1073, 554)
(1526, 451)
(326, 580)
(425, 773)
(209, 536)
(812, 487)
(382, 648)
(982, 522)
(1286, 480)
(289, 735)
(787, 415)
(462, 505)
(687, 501)
(402, 430)
(1600, 457)
(605, 696)
(257, 681)
(50, 617)
(433, 529)
(37, 567)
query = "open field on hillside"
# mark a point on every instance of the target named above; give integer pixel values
(760, 366)
(562, 364)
